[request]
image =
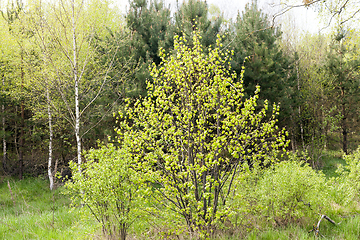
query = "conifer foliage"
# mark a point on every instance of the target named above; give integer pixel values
(343, 74)
(194, 14)
(256, 47)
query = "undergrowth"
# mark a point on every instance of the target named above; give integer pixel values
(29, 210)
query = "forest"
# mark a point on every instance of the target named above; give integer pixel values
(155, 123)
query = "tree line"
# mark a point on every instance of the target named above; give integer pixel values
(68, 66)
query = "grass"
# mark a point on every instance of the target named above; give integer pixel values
(29, 210)
(32, 211)
(330, 162)
(348, 229)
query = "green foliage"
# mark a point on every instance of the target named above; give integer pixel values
(109, 189)
(151, 28)
(194, 14)
(39, 213)
(195, 132)
(256, 47)
(353, 169)
(151, 24)
(349, 180)
(342, 67)
(291, 191)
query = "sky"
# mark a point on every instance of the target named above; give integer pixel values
(305, 19)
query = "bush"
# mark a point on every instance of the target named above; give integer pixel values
(349, 180)
(109, 188)
(195, 132)
(291, 191)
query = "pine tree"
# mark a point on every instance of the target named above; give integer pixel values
(150, 24)
(194, 14)
(343, 70)
(255, 46)
(153, 28)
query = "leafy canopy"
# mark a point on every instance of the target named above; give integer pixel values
(195, 133)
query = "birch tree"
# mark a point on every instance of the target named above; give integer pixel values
(42, 39)
(66, 36)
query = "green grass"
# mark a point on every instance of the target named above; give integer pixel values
(348, 229)
(330, 162)
(39, 213)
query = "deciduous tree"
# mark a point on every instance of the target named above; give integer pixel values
(196, 132)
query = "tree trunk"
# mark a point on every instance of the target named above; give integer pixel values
(344, 130)
(76, 80)
(50, 140)
(123, 232)
(299, 109)
(4, 134)
(21, 143)
(343, 123)
(293, 129)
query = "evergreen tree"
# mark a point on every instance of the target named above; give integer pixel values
(343, 66)
(255, 46)
(194, 14)
(152, 28)
(150, 24)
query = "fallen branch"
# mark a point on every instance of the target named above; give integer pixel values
(316, 228)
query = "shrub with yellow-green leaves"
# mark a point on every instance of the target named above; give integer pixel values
(109, 189)
(195, 133)
(291, 191)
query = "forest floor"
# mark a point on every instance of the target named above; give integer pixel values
(29, 210)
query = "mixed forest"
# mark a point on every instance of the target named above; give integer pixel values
(182, 124)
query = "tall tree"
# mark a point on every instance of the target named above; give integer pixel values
(194, 14)
(343, 66)
(256, 47)
(151, 27)
(13, 16)
(65, 33)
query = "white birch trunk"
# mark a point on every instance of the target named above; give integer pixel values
(76, 80)
(51, 178)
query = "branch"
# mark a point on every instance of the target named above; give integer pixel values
(351, 16)
(102, 85)
(101, 117)
(316, 228)
(289, 7)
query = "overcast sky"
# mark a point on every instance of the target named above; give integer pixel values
(300, 17)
